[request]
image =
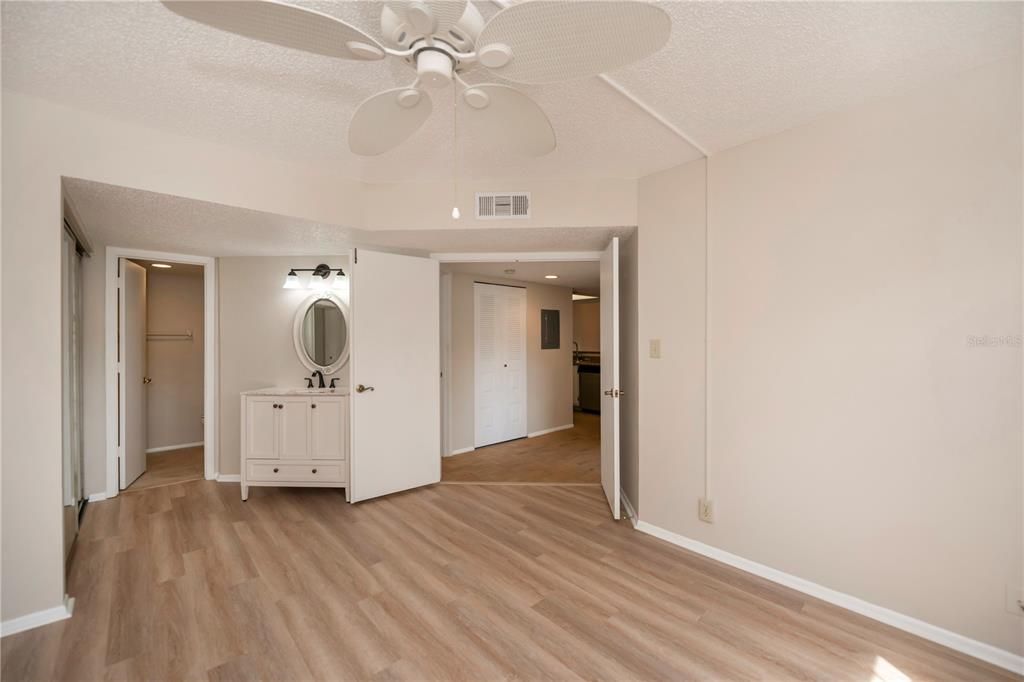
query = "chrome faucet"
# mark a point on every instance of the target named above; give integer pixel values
(320, 376)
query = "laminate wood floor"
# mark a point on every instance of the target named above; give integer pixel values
(463, 582)
(569, 456)
(174, 466)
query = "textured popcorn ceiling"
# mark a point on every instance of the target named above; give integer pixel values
(731, 72)
(137, 219)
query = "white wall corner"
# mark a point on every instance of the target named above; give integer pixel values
(38, 618)
(965, 645)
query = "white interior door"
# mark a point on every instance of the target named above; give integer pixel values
(499, 363)
(133, 372)
(395, 342)
(610, 375)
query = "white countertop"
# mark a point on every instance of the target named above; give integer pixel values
(277, 390)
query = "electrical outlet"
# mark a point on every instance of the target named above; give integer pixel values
(655, 348)
(705, 510)
(1015, 599)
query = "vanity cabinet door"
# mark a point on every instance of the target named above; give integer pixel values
(261, 428)
(294, 425)
(330, 428)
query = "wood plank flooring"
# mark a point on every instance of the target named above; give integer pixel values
(570, 456)
(463, 582)
(174, 466)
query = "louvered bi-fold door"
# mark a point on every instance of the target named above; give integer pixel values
(500, 363)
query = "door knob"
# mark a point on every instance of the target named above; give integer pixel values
(360, 388)
(147, 380)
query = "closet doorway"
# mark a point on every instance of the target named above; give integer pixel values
(161, 341)
(161, 332)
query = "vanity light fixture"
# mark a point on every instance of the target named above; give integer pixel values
(317, 280)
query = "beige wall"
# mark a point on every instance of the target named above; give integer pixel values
(856, 437)
(549, 372)
(174, 401)
(586, 325)
(554, 203)
(257, 349)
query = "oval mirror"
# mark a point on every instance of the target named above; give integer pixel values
(321, 333)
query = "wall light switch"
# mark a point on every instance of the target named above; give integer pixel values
(655, 348)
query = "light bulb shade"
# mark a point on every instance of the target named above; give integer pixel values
(292, 281)
(456, 214)
(317, 283)
(339, 281)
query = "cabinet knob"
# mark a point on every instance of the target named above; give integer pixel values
(313, 406)
(314, 471)
(276, 470)
(275, 406)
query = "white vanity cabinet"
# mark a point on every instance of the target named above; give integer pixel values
(294, 438)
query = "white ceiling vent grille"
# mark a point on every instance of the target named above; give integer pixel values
(502, 206)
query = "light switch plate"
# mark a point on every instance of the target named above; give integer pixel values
(655, 348)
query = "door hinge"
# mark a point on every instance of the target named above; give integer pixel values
(355, 255)
(613, 393)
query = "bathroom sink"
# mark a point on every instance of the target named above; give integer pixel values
(341, 390)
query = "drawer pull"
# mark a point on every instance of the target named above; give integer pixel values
(276, 470)
(314, 471)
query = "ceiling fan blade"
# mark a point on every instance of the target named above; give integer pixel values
(387, 119)
(283, 24)
(504, 113)
(446, 12)
(551, 42)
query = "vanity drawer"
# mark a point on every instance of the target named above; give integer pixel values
(279, 471)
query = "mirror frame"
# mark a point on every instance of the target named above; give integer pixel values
(300, 347)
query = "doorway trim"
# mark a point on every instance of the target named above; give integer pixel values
(110, 329)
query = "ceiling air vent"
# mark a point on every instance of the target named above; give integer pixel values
(502, 206)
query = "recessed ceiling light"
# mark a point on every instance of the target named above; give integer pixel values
(161, 265)
(550, 276)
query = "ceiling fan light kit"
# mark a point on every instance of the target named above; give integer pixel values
(533, 42)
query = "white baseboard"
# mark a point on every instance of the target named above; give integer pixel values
(933, 633)
(461, 451)
(542, 432)
(229, 478)
(168, 448)
(97, 497)
(630, 511)
(38, 619)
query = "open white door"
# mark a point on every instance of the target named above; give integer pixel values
(610, 375)
(133, 379)
(395, 343)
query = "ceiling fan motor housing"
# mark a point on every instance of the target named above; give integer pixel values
(434, 67)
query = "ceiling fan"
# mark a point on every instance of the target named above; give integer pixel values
(536, 42)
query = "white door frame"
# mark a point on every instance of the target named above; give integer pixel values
(209, 265)
(492, 257)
